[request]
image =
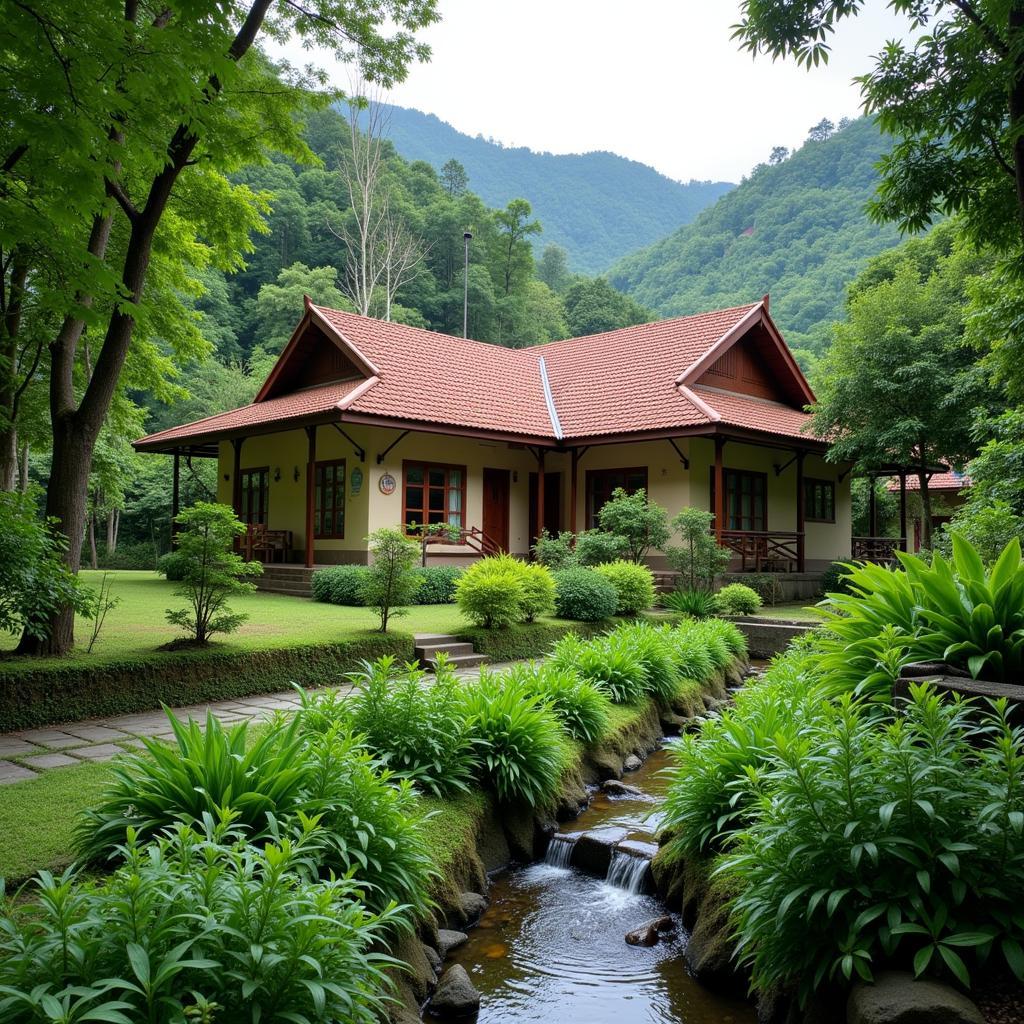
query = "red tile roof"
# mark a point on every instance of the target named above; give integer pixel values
(619, 382)
(951, 481)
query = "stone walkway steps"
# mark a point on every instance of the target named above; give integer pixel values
(460, 654)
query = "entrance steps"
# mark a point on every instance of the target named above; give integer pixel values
(283, 578)
(460, 654)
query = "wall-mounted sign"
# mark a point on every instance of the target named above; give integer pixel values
(356, 480)
(388, 484)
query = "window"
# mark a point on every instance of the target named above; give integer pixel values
(819, 500)
(255, 494)
(329, 502)
(434, 493)
(602, 482)
(746, 499)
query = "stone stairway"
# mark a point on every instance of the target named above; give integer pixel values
(460, 654)
(283, 578)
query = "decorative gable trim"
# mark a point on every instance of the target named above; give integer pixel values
(346, 345)
(700, 404)
(356, 393)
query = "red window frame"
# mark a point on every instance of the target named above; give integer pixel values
(602, 482)
(436, 503)
(329, 499)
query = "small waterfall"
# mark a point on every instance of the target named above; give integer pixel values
(627, 871)
(559, 852)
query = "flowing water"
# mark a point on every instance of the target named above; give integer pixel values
(550, 948)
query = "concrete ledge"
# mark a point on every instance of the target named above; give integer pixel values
(979, 689)
(766, 637)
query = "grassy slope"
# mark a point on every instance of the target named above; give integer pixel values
(138, 624)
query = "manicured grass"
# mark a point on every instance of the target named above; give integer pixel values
(37, 818)
(138, 624)
(803, 610)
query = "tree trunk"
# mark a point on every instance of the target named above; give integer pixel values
(8, 457)
(1016, 104)
(93, 560)
(926, 508)
(24, 467)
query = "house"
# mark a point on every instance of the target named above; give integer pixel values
(946, 487)
(364, 423)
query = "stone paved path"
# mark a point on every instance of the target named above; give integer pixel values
(24, 754)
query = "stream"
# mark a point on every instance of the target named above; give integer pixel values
(550, 946)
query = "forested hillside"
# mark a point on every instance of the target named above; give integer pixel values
(597, 206)
(796, 229)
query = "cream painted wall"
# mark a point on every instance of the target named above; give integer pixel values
(669, 483)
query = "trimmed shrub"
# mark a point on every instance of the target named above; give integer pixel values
(765, 584)
(172, 566)
(525, 640)
(596, 547)
(836, 579)
(141, 555)
(417, 729)
(491, 592)
(737, 599)
(555, 552)
(340, 584)
(369, 822)
(610, 663)
(174, 934)
(584, 595)
(634, 585)
(698, 604)
(654, 649)
(538, 591)
(519, 740)
(580, 706)
(437, 583)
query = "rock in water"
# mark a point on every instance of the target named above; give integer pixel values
(433, 958)
(472, 905)
(447, 940)
(631, 763)
(897, 998)
(615, 788)
(455, 995)
(647, 934)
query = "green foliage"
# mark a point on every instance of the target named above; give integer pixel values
(719, 640)
(693, 659)
(34, 579)
(437, 583)
(196, 926)
(997, 471)
(988, 528)
(555, 552)
(594, 306)
(611, 663)
(654, 649)
(596, 547)
(699, 559)
(698, 604)
(737, 599)
(797, 230)
(525, 640)
(142, 555)
(953, 611)
(581, 707)
(642, 523)
(492, 592)
(835, 579)
(265, 789)
(417, 729)
(870, 845)
(634, 585)
(584, 595)
(211, 573)
(391, 583)
(538, 591)
(519, 739)
(340, 584)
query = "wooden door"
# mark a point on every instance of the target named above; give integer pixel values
(496, 504)
(552, 504)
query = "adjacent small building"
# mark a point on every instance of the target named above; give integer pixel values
(364, 423)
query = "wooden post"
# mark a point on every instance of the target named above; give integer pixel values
(310, 494)
(540, 492)
(236, 476)
(175, 494)
(573, 476)
(872, 508)
(903, 509)
(719, 491)
(801, 511)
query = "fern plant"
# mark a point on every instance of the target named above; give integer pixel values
(580, 706)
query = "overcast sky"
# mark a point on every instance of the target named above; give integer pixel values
(659, 81)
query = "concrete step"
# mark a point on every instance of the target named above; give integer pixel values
(461, 661)
(433, 639)
(278, 586)
(426, 652)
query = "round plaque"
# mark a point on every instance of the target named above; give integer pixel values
(388, 484)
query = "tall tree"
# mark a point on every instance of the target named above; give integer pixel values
(514, 255)
(454, 179)
(120, 126)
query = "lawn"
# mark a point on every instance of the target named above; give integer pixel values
(138, 624)
(803, 610)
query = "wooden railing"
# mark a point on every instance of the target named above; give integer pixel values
(766, 551)
(877, 549)
(472, 537)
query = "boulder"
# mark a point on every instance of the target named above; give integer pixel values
(631, 763)
(615, 788)
(447, 940)
(593, 850)
(455, 995)
(433, 958)
(897, 997)
(471, 906)
(647, 934)
(710, 948)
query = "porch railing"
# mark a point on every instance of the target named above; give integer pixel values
(767, 550)
(472, 537)
(877, 549)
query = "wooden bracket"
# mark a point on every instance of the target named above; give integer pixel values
(381, 456)
(682, 458)
(779, 470)
(360, 452)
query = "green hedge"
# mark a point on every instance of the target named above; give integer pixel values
(45, 696)
(528, 639)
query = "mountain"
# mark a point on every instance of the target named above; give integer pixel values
(597, 206)
(797, 229)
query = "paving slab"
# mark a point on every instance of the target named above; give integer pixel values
(10, 772)
(95, 733)
(99, 752)
(54, 738)
(54, 760)
(15, 746)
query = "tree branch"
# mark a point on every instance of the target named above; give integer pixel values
(116, 191)
(968, 10)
